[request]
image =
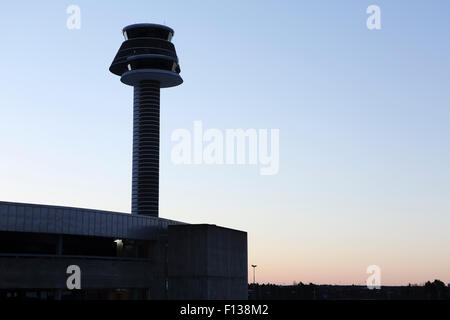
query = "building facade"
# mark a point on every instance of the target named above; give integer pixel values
(120, 256)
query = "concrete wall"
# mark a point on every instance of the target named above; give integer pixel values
(96, 273)
(207, 262)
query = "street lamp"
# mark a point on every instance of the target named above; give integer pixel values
(254, 267)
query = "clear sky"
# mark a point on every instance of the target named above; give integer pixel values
(364, 120)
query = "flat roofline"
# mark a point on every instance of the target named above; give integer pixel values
(84, 209)
(55, 206)
(207, 225)
(40, 218)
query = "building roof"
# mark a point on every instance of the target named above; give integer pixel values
(25, 217)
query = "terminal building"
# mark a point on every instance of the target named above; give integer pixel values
(121, 255)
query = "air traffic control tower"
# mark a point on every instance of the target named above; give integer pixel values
(122, 255)
(146, 60)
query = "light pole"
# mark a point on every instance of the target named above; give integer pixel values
(254, 268)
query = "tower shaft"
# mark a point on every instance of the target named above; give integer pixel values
(145, 184)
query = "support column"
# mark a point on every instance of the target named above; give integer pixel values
(145, 187)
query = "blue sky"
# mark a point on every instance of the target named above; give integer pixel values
(363, 116)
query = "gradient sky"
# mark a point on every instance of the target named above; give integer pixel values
(364, 119)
